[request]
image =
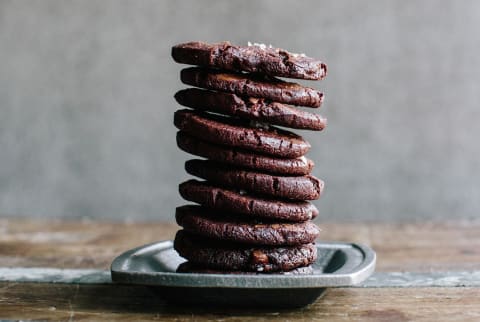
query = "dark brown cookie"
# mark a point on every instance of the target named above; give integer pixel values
(201, 221)
(239, 203)
(224, 256)
(299, 188)
(235, 133)
(257, 58)
(252, 85)
(244, 159)
(255, 109)
(188, 267)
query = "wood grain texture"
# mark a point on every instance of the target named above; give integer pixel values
(421, 247)
(126, 303)
(417, 248)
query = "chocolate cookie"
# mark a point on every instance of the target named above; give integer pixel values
(188, 267)
(257, 58)
(255, 109)
(244, 159)
(236, 257)
(235, 133)
(204, 222)
(240, 203)
(300, 188)
(252, 85)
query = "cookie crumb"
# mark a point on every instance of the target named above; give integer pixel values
(260, 125)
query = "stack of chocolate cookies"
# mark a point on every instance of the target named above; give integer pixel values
(253, 213)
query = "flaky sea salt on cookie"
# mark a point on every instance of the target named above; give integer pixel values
(257, 58)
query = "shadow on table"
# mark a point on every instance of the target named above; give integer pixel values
(115, 298)
(126, 298)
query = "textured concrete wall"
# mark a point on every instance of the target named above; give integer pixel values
(86, 102)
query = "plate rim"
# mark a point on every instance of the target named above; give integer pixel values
(201, 280)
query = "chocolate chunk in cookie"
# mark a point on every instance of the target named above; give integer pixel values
(224, 256)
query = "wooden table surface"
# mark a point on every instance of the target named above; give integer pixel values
(425, 272)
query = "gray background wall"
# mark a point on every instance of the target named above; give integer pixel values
(86, 103)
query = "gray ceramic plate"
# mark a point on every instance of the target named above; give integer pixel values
(338, 264)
